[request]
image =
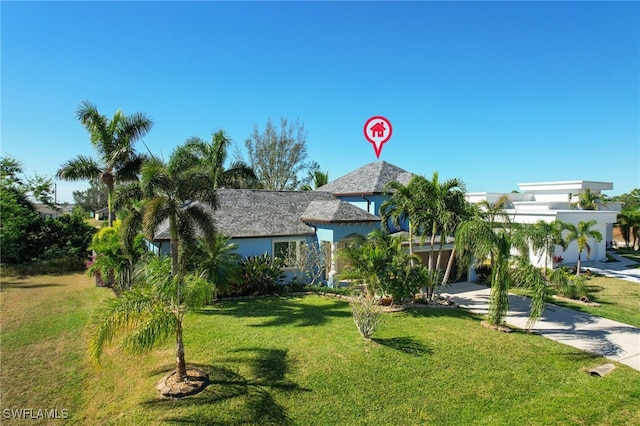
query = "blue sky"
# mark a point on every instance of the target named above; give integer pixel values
(493, 93)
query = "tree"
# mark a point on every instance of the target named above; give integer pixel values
(172, 193)
(401, 207)
(380, 262)
(34, 188)
(93, 198)
(218, 261)
(27, 237)
(150, 312)
(589, 200)
(113, 141)
(212, 156)
(279, 155)
(317, 178)
(178, 196)
(490, 234)
(114, 262)
(544, 237)
(629, 223)
(581, 234)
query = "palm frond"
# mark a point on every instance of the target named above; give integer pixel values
(79, 168)
(116, 317)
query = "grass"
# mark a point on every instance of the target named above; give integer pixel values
(300, 360)
(630, 254)
(619, 300)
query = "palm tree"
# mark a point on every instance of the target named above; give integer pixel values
(380, 261)
(150, 312)
(401, 207)
(218, 260)
(128, 200)
(483, 239)
(212, 156)
(629, 224)
(589, 201)
(544, 237)
(178, 196)
(581, 234)
(172, 193)
(113, 141)
(318, 178)
(491, 234)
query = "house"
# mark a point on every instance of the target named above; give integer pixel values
(549, 201)
(262, 221)
(377, 130)
(103, 214)
(47, 211)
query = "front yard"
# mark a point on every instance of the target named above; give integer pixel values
(300, 360)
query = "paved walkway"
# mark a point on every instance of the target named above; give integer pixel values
(614, 340)
(619, 269)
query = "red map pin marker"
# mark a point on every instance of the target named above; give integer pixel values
(377, 130)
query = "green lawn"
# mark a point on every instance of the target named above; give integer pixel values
(630, 254)
(619, 300)
(300, 360)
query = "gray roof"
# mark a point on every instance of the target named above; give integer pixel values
(368, 179)
(336, 211)
(246, 213)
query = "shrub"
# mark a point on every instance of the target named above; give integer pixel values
(483, 272)
(261, 274)
(366, 315)
(568, 285)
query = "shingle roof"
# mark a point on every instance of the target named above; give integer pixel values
(368, 179)
(245, 213)
(336, 211)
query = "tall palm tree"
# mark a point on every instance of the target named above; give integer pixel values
(490, 234)
(589, 200)
(178, 196)
(172, 193)
(581, 234)
(128, 200)
(150, 312)
(401, 207)
(113, 140)
(212, 156)
(482, 239)
(544, 237)
(629, 224)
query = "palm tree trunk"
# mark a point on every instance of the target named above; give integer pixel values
(411, 243)
(181, 366)
(578, 270)
(173, 230)
(447, 272)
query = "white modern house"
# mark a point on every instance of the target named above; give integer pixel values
(549, 201)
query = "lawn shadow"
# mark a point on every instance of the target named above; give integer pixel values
(277, 311)
(438, 312)
(26, 286)
(408, 345)
(252, 394)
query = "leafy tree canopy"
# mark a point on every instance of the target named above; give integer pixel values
(279, 156)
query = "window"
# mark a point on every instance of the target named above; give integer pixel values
(289, 251)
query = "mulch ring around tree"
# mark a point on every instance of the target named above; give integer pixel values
(170, 387)
(584, 300)
(501, 328)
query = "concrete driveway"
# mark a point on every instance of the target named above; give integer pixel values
(619, 269)
(610, 339)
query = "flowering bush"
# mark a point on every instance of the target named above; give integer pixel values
(557, 260)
